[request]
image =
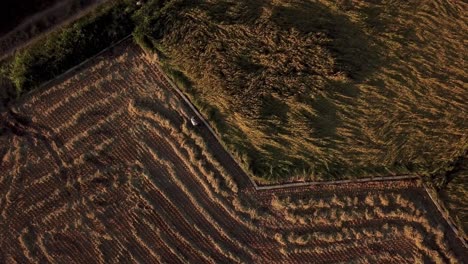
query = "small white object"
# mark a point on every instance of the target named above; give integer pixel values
(194, 121)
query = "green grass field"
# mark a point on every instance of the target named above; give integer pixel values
(324, 89)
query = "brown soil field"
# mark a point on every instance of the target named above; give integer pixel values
(103, 166)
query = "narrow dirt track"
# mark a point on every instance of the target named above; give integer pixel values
(103, 166)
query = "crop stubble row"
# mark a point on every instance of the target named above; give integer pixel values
(117, 185)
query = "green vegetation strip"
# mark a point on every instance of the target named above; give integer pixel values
(59, 51)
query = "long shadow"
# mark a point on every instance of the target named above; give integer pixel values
(350, 46)
(235, 12)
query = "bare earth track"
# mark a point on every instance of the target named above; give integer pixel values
(102, 166)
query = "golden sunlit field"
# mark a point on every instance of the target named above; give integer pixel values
(324, 89)
(103, 166)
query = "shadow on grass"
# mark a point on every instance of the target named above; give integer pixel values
(235, 12)
(351, 48)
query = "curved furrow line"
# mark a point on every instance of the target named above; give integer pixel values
(192, 225)
(19, 158)
(149, 107)
(218, 218)
(43, 250)
(173, 100)
(161, 242)
(71, 143)
(351, 234)
(113, 215)
(72, 83)
(27, 238)
(150, 88)
(184, 200)
(170, 220)
(94, 117)
(415, 221)
(202, 144)
(438, 238)
(329, 228)
(159, 124)
(404, 219)
(141, 249)
(61, 90)
(337, 206)
(116, 257)
(337, 216)
(92, 100)
(365, 247)
(217, 200)
(53, 110)
(140, 224)
(323, 202)
(180, 136)
(216, 211)
(107, 102)
(110, 248)
(144, 157)
(42, 187)
(326, 201)
(75, 163)
(212, 186)
(142, 83)
(230, 165)
(91, 76)
(64, 248)
(164, 243)
(174, 148)
(52, 161)
(120, 151)
(69, 109)
(6, 179)
(93, 136)
(26, 246)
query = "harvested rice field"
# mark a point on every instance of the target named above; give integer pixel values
(103, 166)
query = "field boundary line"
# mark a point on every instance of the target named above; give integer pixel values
(443, 211)
(311, 183)
(201, 118)
(337, 182)
(278, 186)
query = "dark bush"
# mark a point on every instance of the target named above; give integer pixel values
(62, 50)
